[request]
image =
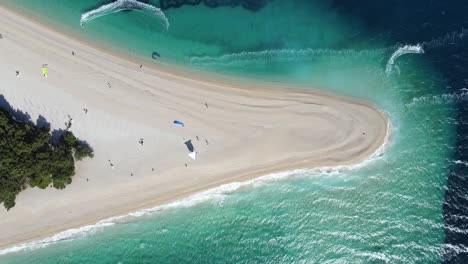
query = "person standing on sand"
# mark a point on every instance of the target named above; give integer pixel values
(45, 70)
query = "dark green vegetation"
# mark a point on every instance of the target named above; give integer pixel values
(28, 158)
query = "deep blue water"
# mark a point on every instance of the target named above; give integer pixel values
(417, 22)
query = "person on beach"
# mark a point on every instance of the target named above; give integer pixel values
(206, 140)
(85, 110)
(141, 141)
(109, 85)
(45, 70)
(73, 53)
(17, 73)
(206, 104)
(69, 123)
(111, 164)
(141, 66)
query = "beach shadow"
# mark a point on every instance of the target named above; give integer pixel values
(56, 135)
(84, 144)
(189, 145)
(17, 115)
(41, 122)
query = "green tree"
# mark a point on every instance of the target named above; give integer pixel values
(27, 158)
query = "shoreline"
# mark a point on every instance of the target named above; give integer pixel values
(209, 87)
(186, 201)
(182, 71)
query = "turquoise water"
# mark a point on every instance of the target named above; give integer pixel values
(388, 211)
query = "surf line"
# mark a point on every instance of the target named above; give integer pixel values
(215, 193)
(123, 5)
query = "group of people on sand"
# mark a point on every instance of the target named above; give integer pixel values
(69, 123)
(141, 142)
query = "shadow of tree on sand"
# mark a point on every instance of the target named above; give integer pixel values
(41, 122)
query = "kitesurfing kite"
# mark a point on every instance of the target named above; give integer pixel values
(177, 122)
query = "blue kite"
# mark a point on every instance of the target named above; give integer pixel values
(177, 122)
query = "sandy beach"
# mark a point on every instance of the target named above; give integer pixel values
(238, 131)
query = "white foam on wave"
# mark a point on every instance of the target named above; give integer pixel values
(440, 99)
(461, 162)
(407, 49)
(121, 5)
(217, 193)
(281, 55)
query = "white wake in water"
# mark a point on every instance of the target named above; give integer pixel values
(282, 55)
(218, 193)
(452, 38)
(407, 49)
(441, 99)
(122, 5)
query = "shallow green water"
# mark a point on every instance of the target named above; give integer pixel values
(390, 210)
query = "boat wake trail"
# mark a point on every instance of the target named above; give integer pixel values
(452, 38)
(281, 55)
(407, 49)
(441, 99)
(122, 5)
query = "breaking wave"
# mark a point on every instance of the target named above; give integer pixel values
(218, 193)
(121, 5)
(281, 55)
(407, 49)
